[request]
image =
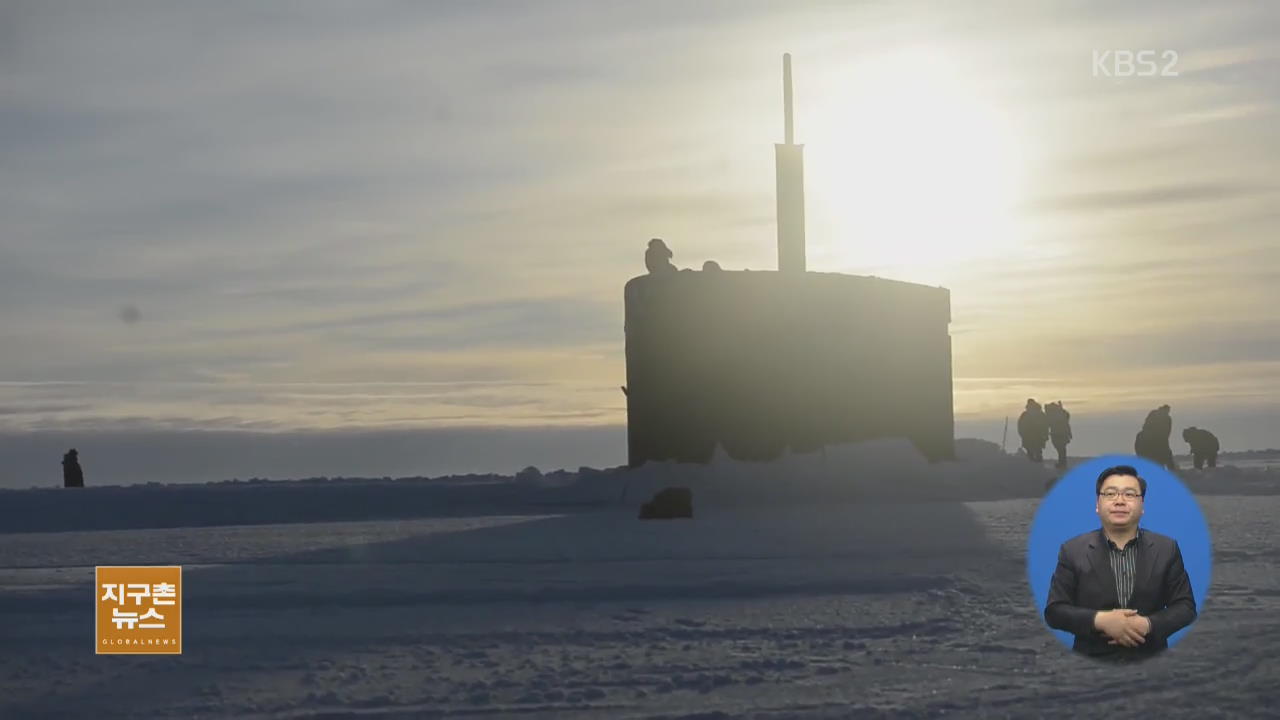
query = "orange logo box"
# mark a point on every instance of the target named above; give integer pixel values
(138, 610)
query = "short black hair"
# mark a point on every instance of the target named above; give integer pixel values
(1121, 470)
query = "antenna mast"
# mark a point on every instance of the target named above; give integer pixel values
(790, 169)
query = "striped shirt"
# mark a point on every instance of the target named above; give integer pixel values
(1124, 565)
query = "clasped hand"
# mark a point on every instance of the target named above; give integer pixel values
(1123, 626)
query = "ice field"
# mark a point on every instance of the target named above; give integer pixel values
(825, 600)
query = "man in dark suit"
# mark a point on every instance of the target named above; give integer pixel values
(1121, 590)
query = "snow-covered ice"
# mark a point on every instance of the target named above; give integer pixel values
(804, 597)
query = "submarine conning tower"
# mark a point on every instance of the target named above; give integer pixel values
(758, 362)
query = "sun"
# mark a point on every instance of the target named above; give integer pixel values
(909, 167)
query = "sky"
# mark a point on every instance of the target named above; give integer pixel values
(363, 217)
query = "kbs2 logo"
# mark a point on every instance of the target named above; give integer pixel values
(1127, 63)
(138, 610)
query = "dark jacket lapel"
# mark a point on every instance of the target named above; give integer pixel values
(1100, 562)
(1148, 557)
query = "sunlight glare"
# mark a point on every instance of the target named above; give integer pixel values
(909, 167)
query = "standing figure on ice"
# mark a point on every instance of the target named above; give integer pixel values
(1034, 430)
(1059, 429)
(72, 474)
(658, 257)
(1152, 441)
(1204, 446)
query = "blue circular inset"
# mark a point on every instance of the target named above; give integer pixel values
(1070, 509)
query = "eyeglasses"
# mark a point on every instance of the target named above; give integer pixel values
(1112, 494)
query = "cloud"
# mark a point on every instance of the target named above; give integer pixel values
(41, 409)
(1146, 197)
(426, 192)
(130, 314)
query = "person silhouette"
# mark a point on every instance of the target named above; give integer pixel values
(657, 258)
(1152, 441)
(1033, 428)
(1204, 446)
(72, 474)
(1059, 429)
